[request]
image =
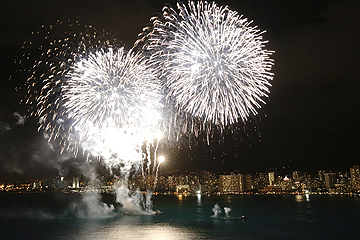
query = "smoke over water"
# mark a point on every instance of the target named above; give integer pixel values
(134, 203)
(91, 206)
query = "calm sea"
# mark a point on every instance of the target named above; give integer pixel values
(51, 216)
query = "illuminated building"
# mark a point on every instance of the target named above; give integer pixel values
(271, 178)
(229, 184)
(355, 177)
(296, 175)
(182, 189)
(343, 184)
(330, 180)
(260, 180)
(321, 175)
(209, 181)
(245, 182)
(286, 184)
(161, 183)
(149, 181)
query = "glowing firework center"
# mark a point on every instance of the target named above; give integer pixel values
(113, 101)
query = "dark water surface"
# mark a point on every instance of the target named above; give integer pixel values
(52, 216)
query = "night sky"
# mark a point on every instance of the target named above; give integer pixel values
(311, 119)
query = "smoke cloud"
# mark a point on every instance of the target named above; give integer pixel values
(20, 119)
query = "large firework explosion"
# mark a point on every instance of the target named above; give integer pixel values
(212, 63)
(113, 100)
(47, 59)
(92, 95)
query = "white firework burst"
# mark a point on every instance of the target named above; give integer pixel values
(111, 84)
(91, 95)
(213, 63)
(47, 58)
(113, 101)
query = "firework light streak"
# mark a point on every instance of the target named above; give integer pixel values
(212, 62)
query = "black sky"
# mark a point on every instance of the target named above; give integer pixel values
(311, 121)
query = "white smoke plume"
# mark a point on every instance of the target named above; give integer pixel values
(20, 119)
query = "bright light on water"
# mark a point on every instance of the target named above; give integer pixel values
(153, 232)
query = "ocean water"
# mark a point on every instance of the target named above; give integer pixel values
(53, 216)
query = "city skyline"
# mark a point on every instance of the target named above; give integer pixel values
(309, 122)
(272, 173)
(203, 183)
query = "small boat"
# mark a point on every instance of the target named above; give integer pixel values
(157, 212)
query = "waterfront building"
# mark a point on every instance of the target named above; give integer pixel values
(260, 180)
(322, 175)
(355, 177)
(271, 178)
(229, 184)
(330, 180)
(296, 175)
(245, 182)
(182, 189)
(161, 183)
(286, 184)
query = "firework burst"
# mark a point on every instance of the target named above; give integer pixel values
(47, 59)
(112, 94)
(89, 93)
(212, 62)
(92, 95)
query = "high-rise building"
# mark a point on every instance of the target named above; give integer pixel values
(286, 184)
(330, 180)
(245, 182)
(260, 180)
(343, 182)
(355, 177)
(296, 175)
(229, 183)
(271, 178)
(321, 175)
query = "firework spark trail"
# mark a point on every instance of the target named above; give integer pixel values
(212, 62)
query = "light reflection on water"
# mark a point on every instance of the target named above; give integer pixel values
(156, 232)
(131, 228)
